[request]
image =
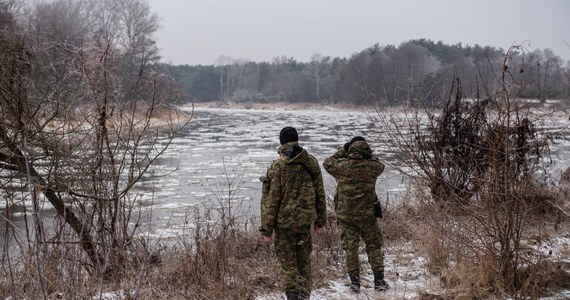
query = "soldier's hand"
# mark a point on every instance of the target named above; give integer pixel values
(267, 239)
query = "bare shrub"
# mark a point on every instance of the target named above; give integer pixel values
(401, 221)
(327, 260)
(77, 133)
(215, 262)
(481, 170)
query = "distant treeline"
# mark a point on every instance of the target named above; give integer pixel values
(418, 70)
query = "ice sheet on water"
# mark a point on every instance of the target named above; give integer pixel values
(231, 148)
(238, 145)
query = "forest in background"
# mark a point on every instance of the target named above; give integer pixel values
(416, 72)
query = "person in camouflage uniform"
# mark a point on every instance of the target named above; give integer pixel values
(356, 171)
(293, 199)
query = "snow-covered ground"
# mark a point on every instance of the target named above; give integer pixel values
(405, 273)
(408, 277)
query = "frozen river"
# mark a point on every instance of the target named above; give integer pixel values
(223, 152)
(217, 160)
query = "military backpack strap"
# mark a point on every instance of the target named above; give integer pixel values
(308, 170)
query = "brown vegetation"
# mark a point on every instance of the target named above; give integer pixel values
(481, 171)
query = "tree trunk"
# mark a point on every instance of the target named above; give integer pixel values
(16, 158)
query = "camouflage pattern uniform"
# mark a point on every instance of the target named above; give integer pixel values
(293, 198)
(356, 173)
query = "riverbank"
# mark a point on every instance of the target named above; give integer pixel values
(279, 105)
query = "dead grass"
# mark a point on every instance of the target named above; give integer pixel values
(216, 261)
(467, 269)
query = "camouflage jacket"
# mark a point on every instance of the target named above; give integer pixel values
(293, 194)
(356, 173)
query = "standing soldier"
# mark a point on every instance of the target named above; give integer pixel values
(356, 171)
(293, 199)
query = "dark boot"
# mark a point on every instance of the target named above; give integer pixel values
(354, 283)
(291, 296)
(379, 282)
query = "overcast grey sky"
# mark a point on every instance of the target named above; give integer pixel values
(200, 31)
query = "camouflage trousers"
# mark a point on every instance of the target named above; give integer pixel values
(293, 249)
(350, 234)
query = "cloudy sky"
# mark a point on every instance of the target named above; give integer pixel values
(200, 31)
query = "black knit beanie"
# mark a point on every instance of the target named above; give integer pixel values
(357, 138)
(288, 134)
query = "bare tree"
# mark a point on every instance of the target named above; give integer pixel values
(223, 65)
(74, 135)
(543, 74)
(66, 21)
(318, 66)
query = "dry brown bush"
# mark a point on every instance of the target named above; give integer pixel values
(401, 222)
(216, 260)
(481, 171)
